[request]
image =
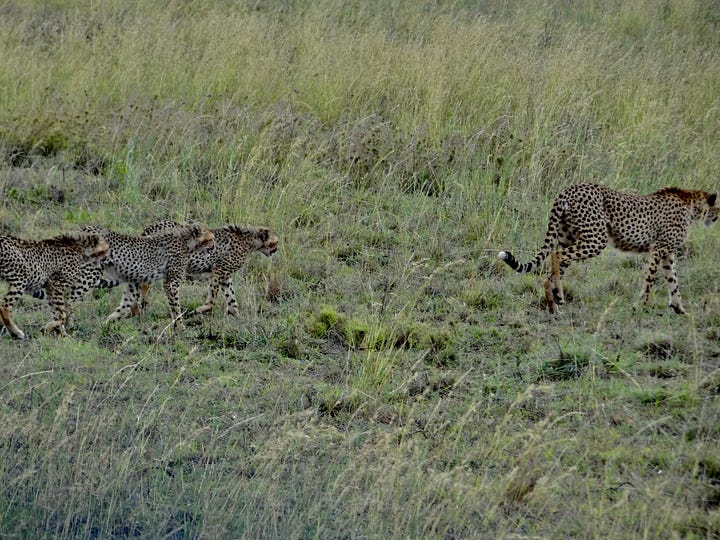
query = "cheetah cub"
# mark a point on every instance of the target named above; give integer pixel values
(233, 244)
(587, 217)
(54, 265)
(143, 259)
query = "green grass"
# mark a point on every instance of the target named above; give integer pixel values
(387, 377)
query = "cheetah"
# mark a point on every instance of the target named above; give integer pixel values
(233, 243)
(143, 259)
(53, 265)
(91, 277)
(587, 217)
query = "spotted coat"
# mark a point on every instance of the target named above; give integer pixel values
(91, 277)
(54, 265)
(587, 217)
(143, 259)
(233, 244)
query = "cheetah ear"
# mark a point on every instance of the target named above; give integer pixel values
(712, 198)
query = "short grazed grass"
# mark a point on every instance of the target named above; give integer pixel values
(387, 377)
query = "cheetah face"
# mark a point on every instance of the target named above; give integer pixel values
(269, 242)
(712, 210)
(97, 250)
(203, 240)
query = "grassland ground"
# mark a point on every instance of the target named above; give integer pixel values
(387, 376)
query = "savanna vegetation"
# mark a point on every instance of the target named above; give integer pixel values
(387, 376)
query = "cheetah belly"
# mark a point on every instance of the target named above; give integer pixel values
(629, 243)
(36, 284)
(138, 274)
(37, 276)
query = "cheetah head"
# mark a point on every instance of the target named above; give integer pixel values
(269, 241)
(95, 247)
(101, 249)
(201, 238)
(711, 210)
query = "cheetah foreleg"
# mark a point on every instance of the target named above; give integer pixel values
(144, 297)
(171, 287)
(55, 326)
(141, 299)
(673, 287)
(128, 304)
(231, 305)
(668, 264)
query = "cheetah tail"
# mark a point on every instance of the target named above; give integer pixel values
(513, 263)
(548, 245)
(103, 283)
(40, 294)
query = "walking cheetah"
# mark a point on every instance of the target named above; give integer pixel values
(143, 259)
(233, 244)
(53, 265)
(91, 277)
(587, 217)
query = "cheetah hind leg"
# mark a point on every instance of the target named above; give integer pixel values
(9, 324)
(55, 326)
(554, 294)
(585, 246)
(211, 295)
(650, 275)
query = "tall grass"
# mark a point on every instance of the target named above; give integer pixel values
(551, 94)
